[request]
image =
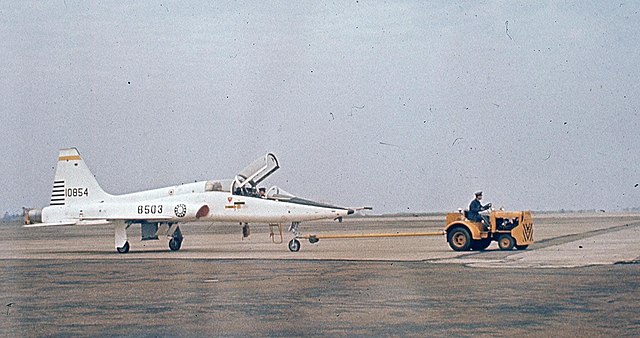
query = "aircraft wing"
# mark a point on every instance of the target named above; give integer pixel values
(37, 225)
(97, 221)
(70, 222)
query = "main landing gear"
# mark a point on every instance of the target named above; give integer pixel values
(176, 240)
(122, 245)
(124, 248)
(174, 244)
(167, 229)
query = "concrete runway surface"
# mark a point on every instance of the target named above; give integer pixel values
(580, 277)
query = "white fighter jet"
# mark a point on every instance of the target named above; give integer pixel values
(77, 199)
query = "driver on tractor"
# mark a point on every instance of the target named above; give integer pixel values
(475, 208)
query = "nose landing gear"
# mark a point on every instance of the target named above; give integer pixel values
(294, 244)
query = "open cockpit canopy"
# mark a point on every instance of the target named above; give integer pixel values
(248, 178)
(256, 172)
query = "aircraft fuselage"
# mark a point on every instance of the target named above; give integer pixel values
(185, 203)
(78, 199)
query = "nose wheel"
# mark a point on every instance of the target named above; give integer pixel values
(294, 245)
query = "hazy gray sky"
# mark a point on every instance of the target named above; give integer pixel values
(406, 106)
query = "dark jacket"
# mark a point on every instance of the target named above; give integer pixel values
(474, 210)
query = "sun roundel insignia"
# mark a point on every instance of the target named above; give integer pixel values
(180, 210)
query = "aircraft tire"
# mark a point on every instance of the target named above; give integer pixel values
(124, 248)
(506, 242)
(294, 245)
(175, 244)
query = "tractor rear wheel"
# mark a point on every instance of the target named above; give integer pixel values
(459, 239)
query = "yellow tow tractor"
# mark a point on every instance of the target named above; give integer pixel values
(509, 228)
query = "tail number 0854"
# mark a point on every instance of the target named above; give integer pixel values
(77, 192)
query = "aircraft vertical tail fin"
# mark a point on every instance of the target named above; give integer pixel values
(74, 183)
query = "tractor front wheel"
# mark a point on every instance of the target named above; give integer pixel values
(506, 242)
